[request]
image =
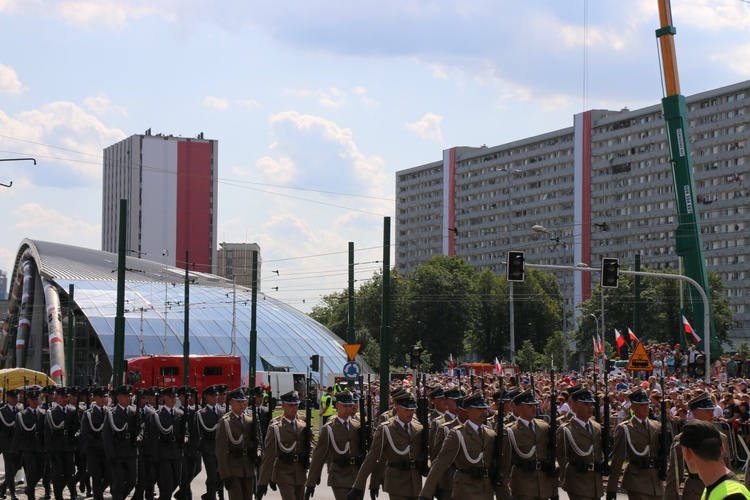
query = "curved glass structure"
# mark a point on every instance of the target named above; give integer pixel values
(219, 315)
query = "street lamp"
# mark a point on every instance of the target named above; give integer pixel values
(596, 322)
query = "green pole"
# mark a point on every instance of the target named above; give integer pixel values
(253, 318)
(186, 341)
(385, 327)
(70, 339)
(637, 297)
(350, 331)
(119, 354)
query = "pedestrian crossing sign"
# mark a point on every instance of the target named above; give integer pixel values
(639, 360)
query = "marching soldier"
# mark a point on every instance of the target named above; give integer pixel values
(236, 448)
(166, 436)
(205, 426)
(702, 408)
(638, 439)
(92, 425)
(29, 441)
(191, 461)
(533, 474)
(397, 446)
(61, 425)
(264, 416)
(144, 483)
(285, 455)
(11, 460)
(440, 429)
(122, 433)
(579, 449)
(339, 447)
(470, 447)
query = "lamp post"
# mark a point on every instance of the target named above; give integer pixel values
(511, 308)
(596, 322)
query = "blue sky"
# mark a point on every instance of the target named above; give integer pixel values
(315, 104)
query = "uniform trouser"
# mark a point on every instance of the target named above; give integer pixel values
(168, 477)
(61, 471)
(290, 492)
(340, 493)
(242, 488)
(212, 476)
(191, 467)
(33, 466)
(100, 473)
(82, 475)
(144, 481)
(396, 497)
(643, 496)
(123, 477)
(12, 463)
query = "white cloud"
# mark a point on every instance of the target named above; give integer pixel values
(9, 82)
(218, 103)
(250, 103)
(279, 171)
(33, 218)
(333, 98)
(101, 105)
(366, 100)
(428, 127)
(738, 60)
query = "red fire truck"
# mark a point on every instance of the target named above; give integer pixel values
(166, 371)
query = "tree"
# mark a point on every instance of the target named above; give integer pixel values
(527, 357)
(333, 313)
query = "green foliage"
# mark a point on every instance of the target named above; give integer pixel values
(744, 351)
(528, 359)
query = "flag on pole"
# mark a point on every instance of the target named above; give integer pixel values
(632, 335)
(619, 341)
(689, 329)
(498, 367)
(596, 346)
(601, 344)
(450, 363)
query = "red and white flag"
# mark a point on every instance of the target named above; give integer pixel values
(632, 335)
(619, 341)
(450, 363)
(689, 330)
(601, 344)
(498, 367)
(596, 346)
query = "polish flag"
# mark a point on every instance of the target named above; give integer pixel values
(632, 335)
(619, 341)
(498, 367)
(596, 346)
(689, 329)
(450, 363)
(601, 344)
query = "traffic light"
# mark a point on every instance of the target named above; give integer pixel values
(516, 267)
(415, 357)
(610, 365)
(610, 272)
(315, 362)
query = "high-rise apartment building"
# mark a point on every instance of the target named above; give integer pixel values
(171, 187)
(235, 262)
(601, 188)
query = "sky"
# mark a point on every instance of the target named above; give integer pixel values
(316, 105)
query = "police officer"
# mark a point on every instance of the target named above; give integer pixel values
(122, 433)
(397, 445)
(638, 440)
(61, 425)
(236, 448)
(205, 426)
(533, 474)
(285, 454)
(579, 449)
(702, 445)
(326, 405)
(166, 436)
(702, 407)
(11, 460)
(339, 446)
(470, 447)
(29, 441)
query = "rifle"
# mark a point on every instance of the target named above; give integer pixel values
(597, 406)
(424, 418)
(259, 445)
(533, 391)
(499, 439)
(663, 438)
(364, 423)
(308, 430)
(605, 428)
(552, 439)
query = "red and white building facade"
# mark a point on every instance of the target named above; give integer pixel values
(172, 191)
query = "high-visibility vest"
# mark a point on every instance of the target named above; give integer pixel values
(726, 488)
(326, 399)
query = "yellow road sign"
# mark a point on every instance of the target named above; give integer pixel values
(639, 360)
(352, 350)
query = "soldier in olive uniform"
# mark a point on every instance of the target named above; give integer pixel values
(396, 446)
(61, 425)
(703, 409)
(499, 424)
(11, 460)
(534, 473)
(439, 402)
(285, 454)
(470, 448)
(638, 440)
(261, 412)
(167, 439)
(122, 433)
(29, 441)
(205, 426)
(579, 450)
(339, 447)
(237, 448)
(92, 425)
(453, 416)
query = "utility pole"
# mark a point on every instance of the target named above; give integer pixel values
(119, 348)
(385, 318)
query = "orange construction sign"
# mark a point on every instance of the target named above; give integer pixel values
(352, 350)
(639, 360)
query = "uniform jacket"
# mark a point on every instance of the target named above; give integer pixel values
(60, 427)
(525, 480)
(166, 434)
(344, 447)
(587, 483)
(677, 472)
(285, 467)
(144, 446)
(398, 481)
(7, 426)
(92, 427)
(205, 428)
(466, 449)
(29, 435)
(122, 432)
(236, 445)
(638, 478)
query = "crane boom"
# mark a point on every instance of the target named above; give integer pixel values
(689, 245)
